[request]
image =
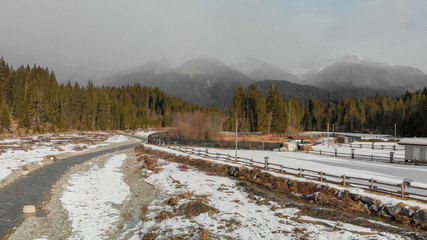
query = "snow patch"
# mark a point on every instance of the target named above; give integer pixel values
(91, 196)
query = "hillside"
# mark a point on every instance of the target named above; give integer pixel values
(356, 76)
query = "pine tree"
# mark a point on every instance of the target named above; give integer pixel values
(274, 108)
(237, 110)
(4, 115)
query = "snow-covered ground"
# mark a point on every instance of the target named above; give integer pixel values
(380, 171)
(17, 152)
(339, 166)
(90, 198)
(144, 134)
(239, 216)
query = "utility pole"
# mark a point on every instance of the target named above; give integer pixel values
(289, 116)
(237, 125)
(395, 135)
(328, 135)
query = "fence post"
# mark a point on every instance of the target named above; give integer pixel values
(336, 152)
(217, 155)
(321, 176)
(263, 146)
(391, 157)
(235, 159)
(228, 157)
(402, 189)
(320, 152)
(394, 147)
(372, 157)
(352, 153)
(372, 184)
(252, 162)
(300, 172)
(344, 180)
(266, 163)
(382, 147)
(373, 145)
(206, 154)
(360, 145)
(281, 168)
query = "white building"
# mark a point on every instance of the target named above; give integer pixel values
(415, 149)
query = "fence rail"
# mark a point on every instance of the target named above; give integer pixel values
(399, 189)
(377, 146)
(368, 157)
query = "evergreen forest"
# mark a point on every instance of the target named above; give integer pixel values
(32, 97)
(378, 114)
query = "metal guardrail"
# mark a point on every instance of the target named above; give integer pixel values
(403, 189)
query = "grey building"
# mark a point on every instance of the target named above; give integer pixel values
(415, 149)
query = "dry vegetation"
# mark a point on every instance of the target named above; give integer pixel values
(55, 140)
(195, 125)
(255, 138)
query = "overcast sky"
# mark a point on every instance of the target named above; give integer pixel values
(81, 39)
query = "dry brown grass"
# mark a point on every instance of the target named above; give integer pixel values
(256, 138)
(164, 215)
(195, 208)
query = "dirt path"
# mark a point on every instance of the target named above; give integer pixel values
(56, 224)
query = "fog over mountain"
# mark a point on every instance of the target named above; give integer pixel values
(203, 80)
(208, 81)
(260, 70)
(357, 76)
(84, 40)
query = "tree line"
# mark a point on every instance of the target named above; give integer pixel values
(32, 97)
(272, 113)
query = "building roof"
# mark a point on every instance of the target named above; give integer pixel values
(413, 141)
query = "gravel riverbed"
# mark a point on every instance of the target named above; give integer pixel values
(55, 223)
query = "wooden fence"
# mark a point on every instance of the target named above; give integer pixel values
(377, 146)
(404, 189)
(369, 157)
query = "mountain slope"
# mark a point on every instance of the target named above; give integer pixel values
(303, 92)
(201, 80)
(259, 70)
(354, 74)
(144, 73)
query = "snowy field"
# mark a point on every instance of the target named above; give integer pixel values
(18, 152)
(90, 198)
(232, 213)
(339, 166)
(386, 172)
